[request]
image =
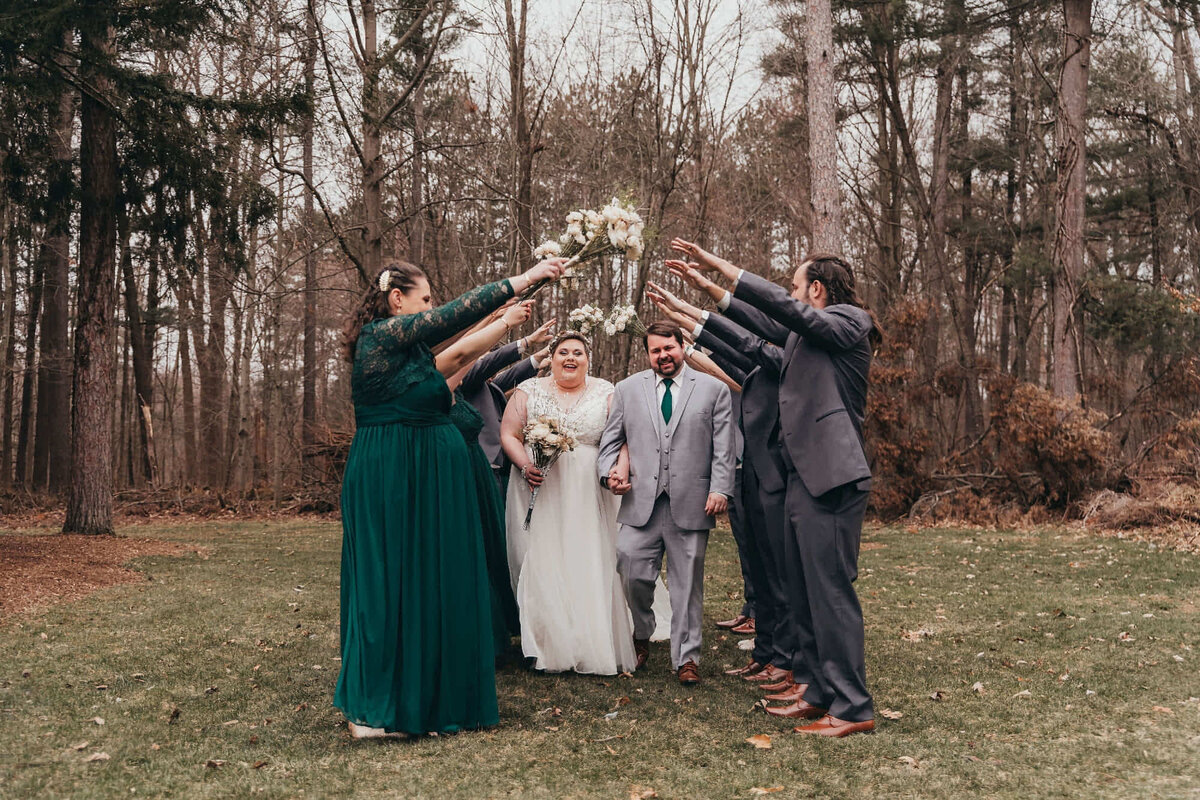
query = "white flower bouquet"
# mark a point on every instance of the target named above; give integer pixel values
(547, 439)
(624, 319)
(615, 229)
(585, 319)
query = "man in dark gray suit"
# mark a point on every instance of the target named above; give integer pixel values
(486, 390)
(822, 400)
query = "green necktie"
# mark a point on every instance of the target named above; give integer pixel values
(666, 401)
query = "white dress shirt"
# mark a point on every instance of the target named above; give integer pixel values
(660, 388)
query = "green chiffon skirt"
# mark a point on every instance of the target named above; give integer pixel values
(506, 618)
(417, 646)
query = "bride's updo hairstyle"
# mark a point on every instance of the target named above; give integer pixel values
(374, 304)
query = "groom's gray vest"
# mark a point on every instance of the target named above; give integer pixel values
(688, 458)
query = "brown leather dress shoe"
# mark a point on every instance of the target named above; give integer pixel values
(740, 619)
(789, 695)
(783, 684)
(771, 674)
(749, 669)
(837, 728)
(689, 675)
(641, 649)
(746, 627)
(797, 710)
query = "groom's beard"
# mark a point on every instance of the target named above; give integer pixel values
(665, 367)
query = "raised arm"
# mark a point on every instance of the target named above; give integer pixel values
(753, 348)
(725, 372)
(517, 374)
(473, 345)
(839, 327)
(725, 356)
(489, 364)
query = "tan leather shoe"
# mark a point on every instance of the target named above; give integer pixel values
(740, 619)
(689, 674)
(641, 649)
(789, 695)
(834, 727)
(780, 685)
(770, 674)
(747, 627)
(797, 710)
(749, 669)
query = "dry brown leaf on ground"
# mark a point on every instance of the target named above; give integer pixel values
(887, 713)
(213, 763)
(1162, 710)
(977, 687)
(759, 790)
(641, 793)
(910, 761)
(937, 697)
(96, 757)
(762, 741)
(80, 746)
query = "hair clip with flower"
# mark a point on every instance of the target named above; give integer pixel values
(385, 280)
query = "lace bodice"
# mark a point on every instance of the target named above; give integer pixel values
(586, 418)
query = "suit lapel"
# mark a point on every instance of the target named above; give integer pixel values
(650, 390)
(683, 395)
(789, 350)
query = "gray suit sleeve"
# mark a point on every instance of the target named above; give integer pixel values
(488, 365)
(515, 375)
(727, 358)
(839, 327)
(612, 438)
(724, 458)
(755, 321)
(754, 349)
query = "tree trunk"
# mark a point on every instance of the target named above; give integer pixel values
(52, 442)
(308, 411)
(141, 345)
(822, 127)
(28, 375)
(9, 265)
(373, 168)
(191, 457)
(89, 502)
(1070, 132)
(522, 139)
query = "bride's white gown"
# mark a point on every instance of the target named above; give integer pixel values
(564, 568)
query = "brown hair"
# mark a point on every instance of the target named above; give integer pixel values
(838, 279)
(374, 304)
(567, 336)
(662, 328)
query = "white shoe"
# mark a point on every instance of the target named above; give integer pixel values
(365, 732)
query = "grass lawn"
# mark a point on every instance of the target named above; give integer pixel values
(1021, 665)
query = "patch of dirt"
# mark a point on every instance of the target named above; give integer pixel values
(45, 570)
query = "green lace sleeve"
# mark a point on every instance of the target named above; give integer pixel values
(435, 325)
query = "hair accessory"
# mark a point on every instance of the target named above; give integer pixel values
(385, 280)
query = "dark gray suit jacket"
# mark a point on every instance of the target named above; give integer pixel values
(760, 397)
(822, 385)
(487, 393)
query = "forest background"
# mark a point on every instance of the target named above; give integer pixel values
(197, 192)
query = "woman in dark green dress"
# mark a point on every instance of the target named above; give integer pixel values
(416, 637)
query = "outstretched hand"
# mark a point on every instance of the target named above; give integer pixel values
(541, 336)
(704, 260)
(518, 314)
(672, 302)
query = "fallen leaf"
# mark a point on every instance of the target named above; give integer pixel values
(259, 764)
(100, 687)
(887, 713)
(641, 793)
(230, 722)
(155, 747)
(977, 687)
(611, 715)
(80, 746)
(98, 720)
(916, 636)
(1162, 710)
(214, 763)
(937, 697)
(910, 761)
(762, 741)
(551, 728)
(1024, 693)
(623, 701)
(759, 790)
(96, 757)
(302, 707)
(211, 690)
(608, 747)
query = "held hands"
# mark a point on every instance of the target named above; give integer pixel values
(618, 480)
(716, 504)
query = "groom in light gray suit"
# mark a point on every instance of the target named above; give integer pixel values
(679, 427)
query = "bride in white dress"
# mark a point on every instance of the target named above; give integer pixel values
(564, 567)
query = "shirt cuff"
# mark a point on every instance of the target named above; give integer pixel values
(736, 280)
(522, 347)
(699, 327)
(725, 302)
(533, 362)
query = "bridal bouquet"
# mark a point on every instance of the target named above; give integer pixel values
(547, 439)
(616, 229)
(624, 319)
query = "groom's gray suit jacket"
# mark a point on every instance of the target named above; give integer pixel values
(689, 458)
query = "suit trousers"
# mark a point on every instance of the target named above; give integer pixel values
(775, 639)
(639, 560)
(737, 523)
(822, 541)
